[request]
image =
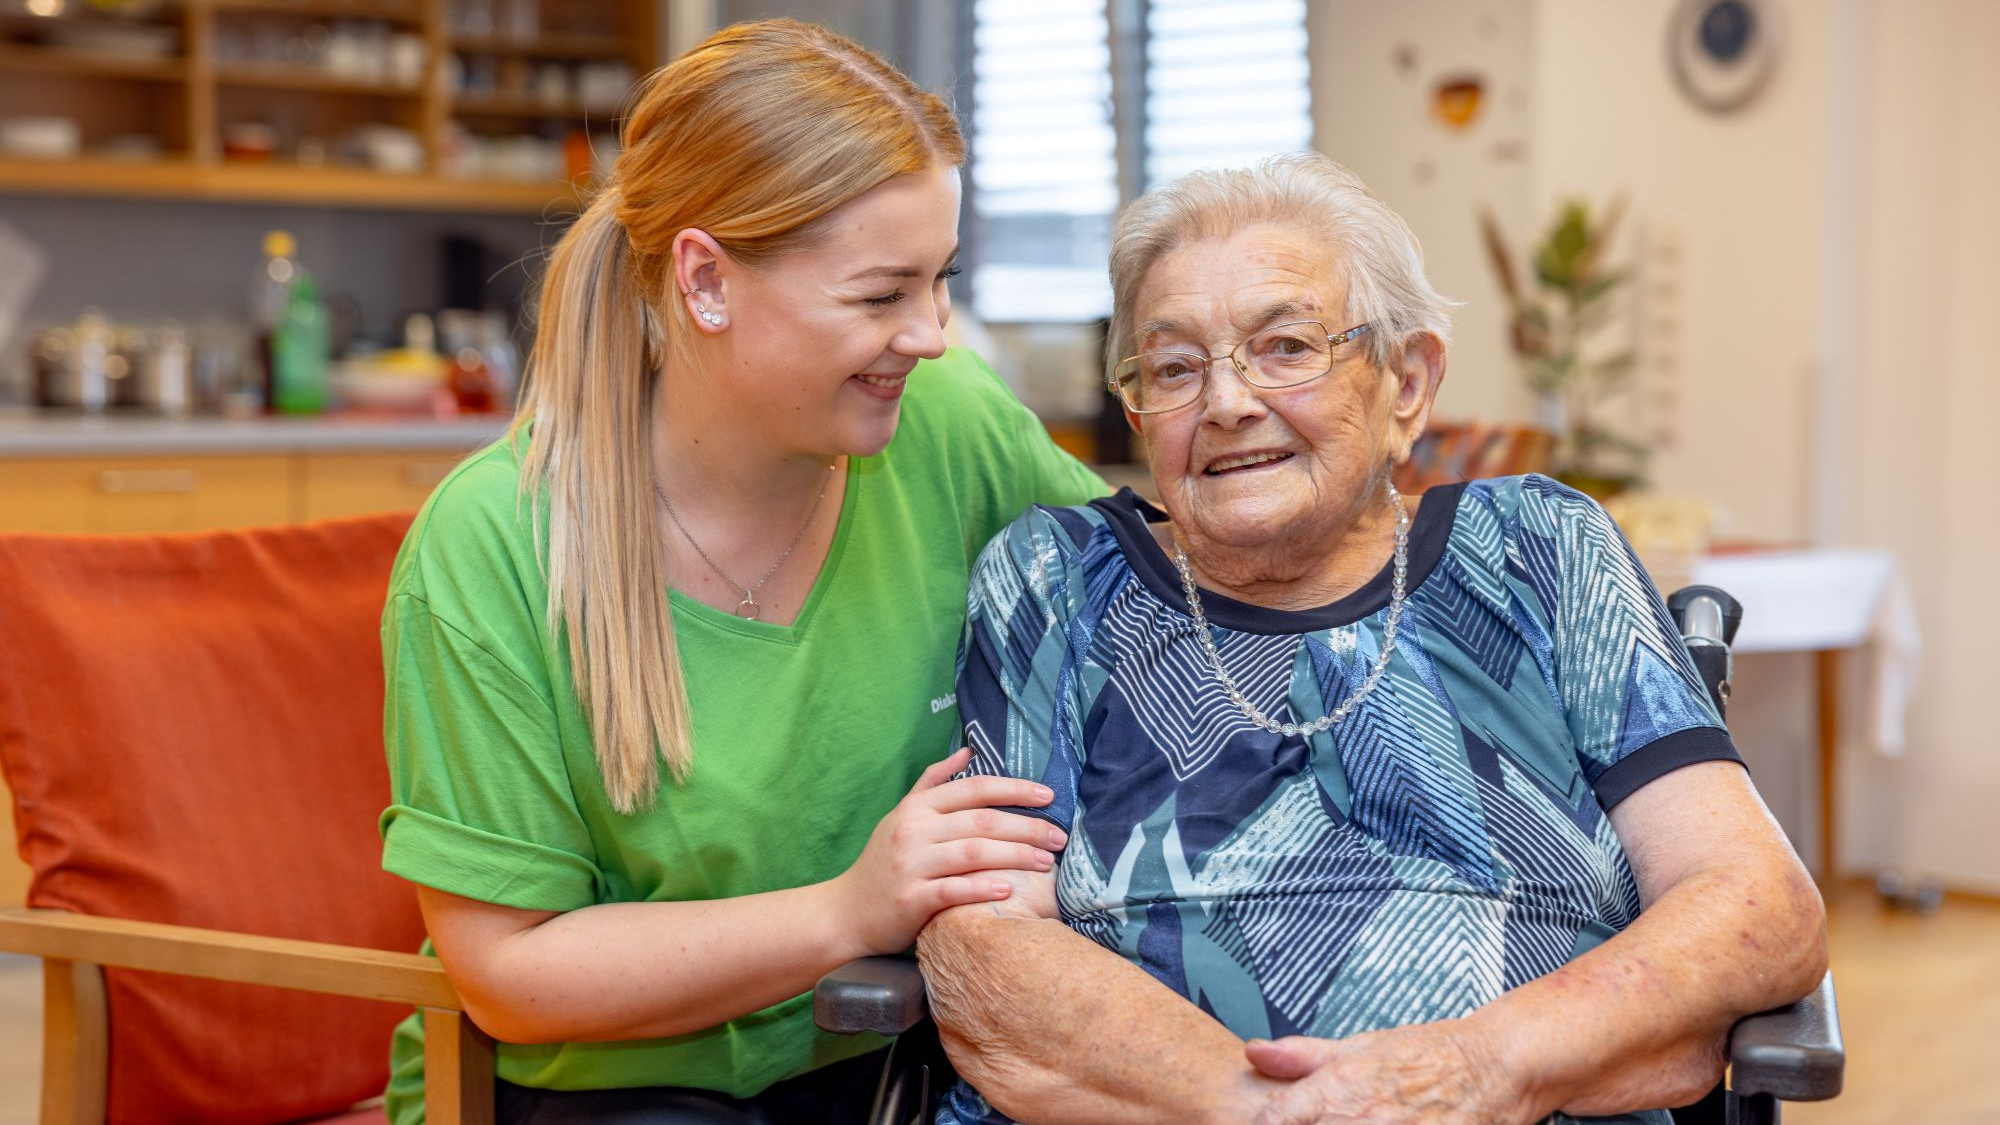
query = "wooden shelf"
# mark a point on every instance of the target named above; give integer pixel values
(58, 60)
(281, 183)
(410, 15)
(303, 78)
(554, 45)
(193, 98)
(534, 108)
(14, 14)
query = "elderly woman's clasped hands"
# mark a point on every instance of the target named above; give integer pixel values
(1452, 1072)
(1435, 1073)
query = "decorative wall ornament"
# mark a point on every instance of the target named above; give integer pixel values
(1404, 60)
(1456, 99)
(1722, 52)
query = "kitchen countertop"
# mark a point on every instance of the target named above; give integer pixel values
(25, 432)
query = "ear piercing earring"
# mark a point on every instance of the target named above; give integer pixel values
(701, 311)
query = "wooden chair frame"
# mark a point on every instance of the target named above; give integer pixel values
(75, 948)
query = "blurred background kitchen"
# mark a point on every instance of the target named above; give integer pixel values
(1725, 263)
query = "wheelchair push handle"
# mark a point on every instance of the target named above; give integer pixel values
(1707, 612)
(1707, 618)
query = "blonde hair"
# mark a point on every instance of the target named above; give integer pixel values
(1378, 259)
(752, 136)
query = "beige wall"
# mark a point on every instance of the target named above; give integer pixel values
(1821, 345)
(1919, 437)
(1581, 89)
(1842, 256)
(1581, 104)
(1744, 196)
(1374, 117)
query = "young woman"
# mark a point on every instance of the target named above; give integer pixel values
(731, 533)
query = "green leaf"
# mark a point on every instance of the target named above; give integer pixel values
(1550, 269)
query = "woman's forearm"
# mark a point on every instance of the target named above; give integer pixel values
(1640, 1021)
(644, 970)
(1053, 1028)
(641, 970)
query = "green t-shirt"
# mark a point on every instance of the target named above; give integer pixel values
(805, 735)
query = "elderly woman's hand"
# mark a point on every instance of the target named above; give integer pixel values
(1435, 1073)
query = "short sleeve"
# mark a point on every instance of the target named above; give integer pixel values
(1635, 707)
(482, 801)
(1017, 675)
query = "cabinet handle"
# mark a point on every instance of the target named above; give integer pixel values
(427, 474)
(148, 482)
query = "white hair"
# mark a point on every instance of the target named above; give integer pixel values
(1376, 255)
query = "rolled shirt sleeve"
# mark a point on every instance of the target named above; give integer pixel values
(482, 802)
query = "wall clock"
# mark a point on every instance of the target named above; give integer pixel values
(1722, 52)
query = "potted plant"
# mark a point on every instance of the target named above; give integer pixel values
(1554, 330)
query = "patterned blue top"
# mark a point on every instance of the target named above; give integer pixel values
(1446, 842)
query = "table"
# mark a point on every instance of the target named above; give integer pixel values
(1828, 603)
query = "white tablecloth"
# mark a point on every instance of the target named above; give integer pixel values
(1799, 601)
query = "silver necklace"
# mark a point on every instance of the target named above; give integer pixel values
(1250, 711)
(748, 608)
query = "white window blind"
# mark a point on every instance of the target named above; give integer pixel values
(1226, 84)
(1044, 159)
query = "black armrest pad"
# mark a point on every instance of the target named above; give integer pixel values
(884, 994)
(1793, 1053)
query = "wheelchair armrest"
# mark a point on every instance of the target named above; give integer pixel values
(883, 994)
(1793, 1053)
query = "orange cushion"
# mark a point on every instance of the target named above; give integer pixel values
(191, 726)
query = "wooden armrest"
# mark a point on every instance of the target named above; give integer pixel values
(309, 966)
(458, 1056)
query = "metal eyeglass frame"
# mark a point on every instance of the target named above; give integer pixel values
(1333, 340)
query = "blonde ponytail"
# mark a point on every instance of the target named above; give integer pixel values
(590, 446)
(751, 136)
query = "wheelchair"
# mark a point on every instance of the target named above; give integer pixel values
(1792, 1053)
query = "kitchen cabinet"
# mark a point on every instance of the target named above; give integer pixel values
(13, 872)
(126, 494)
(400, 104)
(144, 494)
(121, 472)
(331, 485)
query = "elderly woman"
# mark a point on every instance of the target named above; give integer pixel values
(1419, 795)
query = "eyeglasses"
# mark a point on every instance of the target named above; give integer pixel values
(1283, 355)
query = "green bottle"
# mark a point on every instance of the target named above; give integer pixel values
(299, 346)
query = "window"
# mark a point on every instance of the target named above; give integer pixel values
(1044, 159)
(1224, 81)
(1226, 84)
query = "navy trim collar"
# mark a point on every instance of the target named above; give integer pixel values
(1128, 514)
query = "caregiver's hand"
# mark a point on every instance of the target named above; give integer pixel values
(929, 852)
(1434, 1073)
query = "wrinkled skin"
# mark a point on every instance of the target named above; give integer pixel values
(1433, 1073)
(1308, 528)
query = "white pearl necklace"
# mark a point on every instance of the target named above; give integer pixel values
(1250, 711)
